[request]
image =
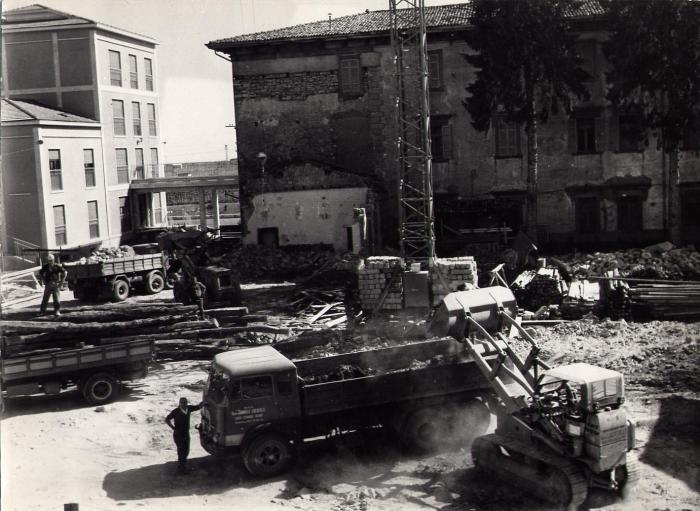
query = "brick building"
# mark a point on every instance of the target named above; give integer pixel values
(56, 63)
(318, 99)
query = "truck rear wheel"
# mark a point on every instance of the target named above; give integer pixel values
(120, 290)
(155, 283)
(267, 455)
(100, 388)
(422, 429)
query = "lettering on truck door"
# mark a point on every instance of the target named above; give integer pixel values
(252, 402)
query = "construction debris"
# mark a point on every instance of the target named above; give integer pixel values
(537, 288)
(665, 301)
(656, 262)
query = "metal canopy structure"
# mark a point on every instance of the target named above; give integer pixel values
(409, 44)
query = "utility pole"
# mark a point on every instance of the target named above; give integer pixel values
(409, 45)
(3, 226)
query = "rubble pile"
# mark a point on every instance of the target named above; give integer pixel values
(656, 353)
(651, 263)
(448, 275)
(374, 276)
(257, 263)
(534, 289)
(105, 254)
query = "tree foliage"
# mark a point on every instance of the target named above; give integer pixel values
(654, 53)
(525, 58)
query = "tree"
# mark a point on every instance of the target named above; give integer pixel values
(659, 76)
(528, 67)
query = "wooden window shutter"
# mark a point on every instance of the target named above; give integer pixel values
(447, 141)
(600, 138)
(572, 135)
(614, 131)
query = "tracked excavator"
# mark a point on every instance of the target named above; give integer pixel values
(560, 430)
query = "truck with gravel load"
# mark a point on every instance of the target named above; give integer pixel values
(114, 279)
(97, 371)
(262, 405)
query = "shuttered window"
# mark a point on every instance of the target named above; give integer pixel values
(435, 69)
(148, 68)
(152, 129)
(507, 138)
(350, 76)
(55, 170)
(118, 117)
(59, 225)
(441, 139)
(122, 166)
(93, 219)
(89, 165)
(133, 72)
(136, 114)
(115, 68)
(139, 170)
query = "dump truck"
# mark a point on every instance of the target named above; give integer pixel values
(116, 278)
(261, 405)
(97, 371)
(560, 430)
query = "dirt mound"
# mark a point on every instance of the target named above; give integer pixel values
(657, 354)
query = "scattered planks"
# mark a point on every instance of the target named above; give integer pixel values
(666, 300)
(318, 309)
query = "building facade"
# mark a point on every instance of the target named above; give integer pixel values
(325, 92)
(98, 72)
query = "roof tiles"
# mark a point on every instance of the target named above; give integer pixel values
(369, 22)
(17, 110)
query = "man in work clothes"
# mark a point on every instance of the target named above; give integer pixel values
(198, 292)
(52, 275)
(179, 422)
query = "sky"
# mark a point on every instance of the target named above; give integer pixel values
(196, 90)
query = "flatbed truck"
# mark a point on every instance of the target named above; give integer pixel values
(97, 371)
(257, 402)
(114, 279)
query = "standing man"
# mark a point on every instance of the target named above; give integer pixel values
(199, 290)
(179, 422)
(52, 275)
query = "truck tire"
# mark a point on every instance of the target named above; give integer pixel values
(422, 429)
(100, 388)
(267, 455)
(120, 290)
(155, 282)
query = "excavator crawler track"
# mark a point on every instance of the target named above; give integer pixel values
(545, 474)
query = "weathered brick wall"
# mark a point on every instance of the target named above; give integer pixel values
(286, 86)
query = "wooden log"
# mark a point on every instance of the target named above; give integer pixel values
(121, 314)
(227, 311)
(63, 329)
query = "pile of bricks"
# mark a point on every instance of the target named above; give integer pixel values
(454, 271)
(374, 276)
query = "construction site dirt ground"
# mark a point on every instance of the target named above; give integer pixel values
(57, 449)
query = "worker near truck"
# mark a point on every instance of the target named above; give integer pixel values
(179, 421)
(52, 275)
(198, 290)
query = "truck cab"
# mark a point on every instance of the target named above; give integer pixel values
(249, 391)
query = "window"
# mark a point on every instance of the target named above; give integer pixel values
(115, 68)
(285, 384)
(691, 135)
(629, 213)
(154, 162)
(435, 69)
(441, 138)
(133, 72)
(152, 119)
(59, 225)
(585, 135)
(122, 166)
(507, 138)
(138, 171)
(587, 215)
(89, 165)
(118, 117)
(93, 219)
(55, 170)
(630, 133)
(148, 65)
(252, 388)
(158, 209)
(136, 113)
(124, 214)
(349, 76)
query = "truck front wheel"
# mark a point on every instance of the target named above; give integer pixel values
(155, 283)
(267, 455)
(100, 388)
(120, 290)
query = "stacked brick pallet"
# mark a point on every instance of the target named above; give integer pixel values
(374, 276)
(454, 271)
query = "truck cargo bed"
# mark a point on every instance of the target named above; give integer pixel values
(22, 368)
(116, 266)
(394, 380)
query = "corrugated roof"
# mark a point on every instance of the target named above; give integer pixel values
(18, 110)
(369, 22)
